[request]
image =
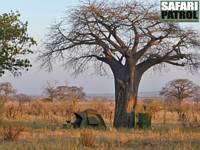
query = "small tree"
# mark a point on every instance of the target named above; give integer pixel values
(178, 90)
(72, 93)
(14, 44)
(50, 90)
(6, 89)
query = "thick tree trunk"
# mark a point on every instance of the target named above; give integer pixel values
(126, 92)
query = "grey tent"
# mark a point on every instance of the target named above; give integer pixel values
(88, 118)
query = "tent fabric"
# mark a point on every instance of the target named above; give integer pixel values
(88, 118)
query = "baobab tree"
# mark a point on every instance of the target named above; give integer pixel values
(178, 90)
(129, 38)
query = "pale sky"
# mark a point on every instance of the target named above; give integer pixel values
(41, 14)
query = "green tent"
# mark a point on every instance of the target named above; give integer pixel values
(88, 118)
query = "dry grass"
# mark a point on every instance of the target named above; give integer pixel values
(87, 137)
(42, 128)
(11, 133)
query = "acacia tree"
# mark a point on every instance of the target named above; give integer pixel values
(69, 92)
(14, 43)
(63, 92)
(129, 38)
(50, 90)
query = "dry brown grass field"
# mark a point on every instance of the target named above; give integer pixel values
(37, 125)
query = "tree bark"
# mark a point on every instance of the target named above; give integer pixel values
(126, 91)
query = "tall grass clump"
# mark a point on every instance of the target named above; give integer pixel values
(87, 138)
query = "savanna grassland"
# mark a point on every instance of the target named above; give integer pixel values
(37, 125)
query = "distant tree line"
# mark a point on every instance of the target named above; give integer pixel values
(53, 92)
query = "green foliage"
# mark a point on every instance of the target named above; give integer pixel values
(14, 43)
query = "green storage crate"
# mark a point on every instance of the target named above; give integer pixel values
(131, 119)
(144, 120)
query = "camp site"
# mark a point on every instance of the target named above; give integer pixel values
(99, 75)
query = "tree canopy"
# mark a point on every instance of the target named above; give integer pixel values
(180, 89)
(111, 33)
(63, 92)
(15, 43)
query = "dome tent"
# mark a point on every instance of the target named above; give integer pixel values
(88, 118)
